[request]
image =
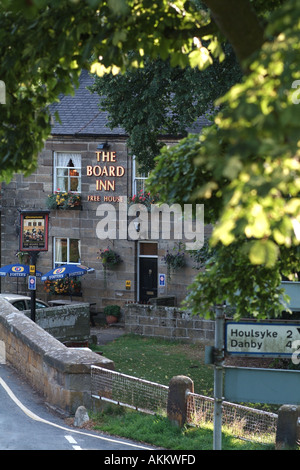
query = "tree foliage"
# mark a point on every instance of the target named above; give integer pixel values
(45, 44)
(244, 168)
(159, 100)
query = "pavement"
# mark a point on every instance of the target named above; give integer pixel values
(106, 334)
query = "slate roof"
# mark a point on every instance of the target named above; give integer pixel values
(80, 114)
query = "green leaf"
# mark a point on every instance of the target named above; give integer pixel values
(264, 252)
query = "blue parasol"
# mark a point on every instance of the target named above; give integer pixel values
(17, 270)
(66, 270)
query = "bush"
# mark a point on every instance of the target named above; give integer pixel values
(114, 310)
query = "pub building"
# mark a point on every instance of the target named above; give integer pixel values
(85, 178)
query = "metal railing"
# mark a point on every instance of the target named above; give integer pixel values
(129, 391)
(242, 420)
(150, 397)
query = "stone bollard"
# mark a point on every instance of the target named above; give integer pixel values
(81, 416)
(177, 399)
(287, 433)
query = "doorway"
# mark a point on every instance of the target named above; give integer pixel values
(147, 271)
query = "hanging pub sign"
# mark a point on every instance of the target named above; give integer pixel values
(34, 230)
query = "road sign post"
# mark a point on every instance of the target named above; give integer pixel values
(33, 238)
(218, 377)
(33, 287)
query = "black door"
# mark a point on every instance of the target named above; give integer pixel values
(148, 279)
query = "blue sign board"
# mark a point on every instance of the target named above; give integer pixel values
(273, 386)
(32, 283)
(162, 280)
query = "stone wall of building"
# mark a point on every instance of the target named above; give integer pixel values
(61, 374)
(167, 323)
(119, 285)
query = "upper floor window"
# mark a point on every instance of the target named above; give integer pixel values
(67, 172)
(138, 178)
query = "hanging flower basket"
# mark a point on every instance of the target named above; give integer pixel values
(143, 198)
(64, 201)
(23, 257)
(174, 261)
(109, 258)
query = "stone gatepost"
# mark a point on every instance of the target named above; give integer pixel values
(288, 430)
(177, 399)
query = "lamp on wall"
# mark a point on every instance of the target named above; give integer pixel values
(103, 146)
(137, 226)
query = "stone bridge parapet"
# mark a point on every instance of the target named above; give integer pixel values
(60, 374)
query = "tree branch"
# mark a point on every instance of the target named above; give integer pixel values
(206, 30)
(238, 22)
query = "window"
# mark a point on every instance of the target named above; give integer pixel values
(20, 305)
(66, 251)
(138, 178)
(67, 172)
(147, 249)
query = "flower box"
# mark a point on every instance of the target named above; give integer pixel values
(64, 201)
(67, 286)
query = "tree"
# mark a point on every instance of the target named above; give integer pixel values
(245, 167)
(159, 100)
(45, 44)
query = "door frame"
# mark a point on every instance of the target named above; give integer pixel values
(138, 264)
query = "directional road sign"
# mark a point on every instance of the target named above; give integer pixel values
(262, 339)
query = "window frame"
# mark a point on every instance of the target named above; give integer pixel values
(56, 167)
(137, 178)
(56, 264)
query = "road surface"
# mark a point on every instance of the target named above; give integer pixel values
(27, 424)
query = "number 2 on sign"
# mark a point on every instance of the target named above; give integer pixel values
(289, 344)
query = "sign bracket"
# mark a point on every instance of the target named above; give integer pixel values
(34, 227)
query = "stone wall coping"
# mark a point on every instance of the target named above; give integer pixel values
(52, 350)
(161, 308)
(64, 307)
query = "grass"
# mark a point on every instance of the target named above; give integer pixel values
(159, 432)
(158, 361)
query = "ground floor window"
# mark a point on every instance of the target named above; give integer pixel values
(66, 251)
